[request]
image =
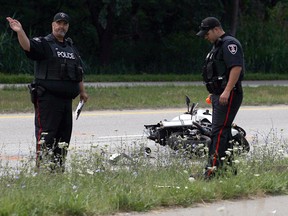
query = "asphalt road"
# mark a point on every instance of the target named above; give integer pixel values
(100, 127)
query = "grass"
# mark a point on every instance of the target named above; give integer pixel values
(94, 186)
(27, 78)
(14, 99)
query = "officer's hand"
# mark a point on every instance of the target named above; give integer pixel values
(84, 96)
(223, 100)
(14, 24)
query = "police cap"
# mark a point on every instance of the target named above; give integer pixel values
(61, 17)
(207, 24)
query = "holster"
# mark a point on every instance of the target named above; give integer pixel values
(35, 91)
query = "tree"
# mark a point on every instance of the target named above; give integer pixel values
(103, 14)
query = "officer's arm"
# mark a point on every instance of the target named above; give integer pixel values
(23, 40)
(233, 78)
(22, 37)
(83, 94)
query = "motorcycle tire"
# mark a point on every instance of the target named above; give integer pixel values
(242, 142)
(178, 141)
(239, 129)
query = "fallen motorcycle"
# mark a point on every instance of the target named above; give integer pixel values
(191, 132)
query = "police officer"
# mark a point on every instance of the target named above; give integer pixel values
(58, 80)
(222, 74)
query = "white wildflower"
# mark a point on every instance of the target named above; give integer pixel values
(62, 145)
(236, 161)
(34, 174)
(191, 179)
(256, 174)
(90, 172)
(74, 187)
(228, 153)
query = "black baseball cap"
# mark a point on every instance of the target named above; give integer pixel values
(61, 16)
(207, 24)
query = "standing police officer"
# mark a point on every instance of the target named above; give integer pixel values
(222, 74)
(58, 80)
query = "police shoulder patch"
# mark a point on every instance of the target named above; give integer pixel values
(37, 39)
(232, 48)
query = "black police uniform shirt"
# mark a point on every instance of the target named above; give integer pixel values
(40, 50)
(232, 54)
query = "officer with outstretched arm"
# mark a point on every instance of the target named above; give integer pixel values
(58, 80)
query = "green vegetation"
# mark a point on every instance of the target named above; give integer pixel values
(17, 99)
(95, 185)
(27, 78)
(150, 36)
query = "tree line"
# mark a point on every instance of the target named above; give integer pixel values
(150, 36)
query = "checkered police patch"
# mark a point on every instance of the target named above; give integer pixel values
(232, 48)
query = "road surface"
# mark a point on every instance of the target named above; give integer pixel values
(17, 130)
(268, 206)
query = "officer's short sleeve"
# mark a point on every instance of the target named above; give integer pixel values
(37, 49)
(232, 54)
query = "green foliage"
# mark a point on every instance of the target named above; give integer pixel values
(12, 57)
(265, 45)
(156, 37)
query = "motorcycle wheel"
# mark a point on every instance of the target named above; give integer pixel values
(242, 143)
(239, 129)
(178, 141)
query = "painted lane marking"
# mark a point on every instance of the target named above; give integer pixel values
(145, 112)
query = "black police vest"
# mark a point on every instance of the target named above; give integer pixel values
(215, 73)
(64, 64)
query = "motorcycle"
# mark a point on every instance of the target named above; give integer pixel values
(191, 132)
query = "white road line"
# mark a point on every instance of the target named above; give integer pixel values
(145, 112)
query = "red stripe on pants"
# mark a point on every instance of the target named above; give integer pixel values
(220, 133)
(38, 148)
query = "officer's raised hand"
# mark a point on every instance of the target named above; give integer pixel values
(15, 25)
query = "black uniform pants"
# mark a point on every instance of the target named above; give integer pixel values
(53, 115)
(222, 119)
